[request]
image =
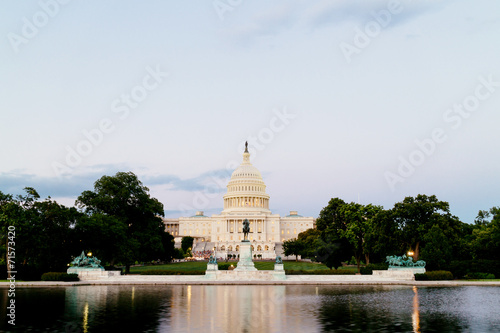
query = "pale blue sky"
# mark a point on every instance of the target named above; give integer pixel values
(358, 93)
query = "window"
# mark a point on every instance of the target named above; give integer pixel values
(267, 248)
(229, 248)
(295, 231)
(282, 232)
(222, 248)
(272, 229)
(237, 247)
(259, 248)
(288, 232)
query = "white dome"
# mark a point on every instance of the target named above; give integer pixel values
(246, 190)
(246, 170)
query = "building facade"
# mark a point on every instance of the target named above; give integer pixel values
(246, 198)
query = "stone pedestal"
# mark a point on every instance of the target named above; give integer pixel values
(414, 269)
(245, 263)
(89, 270)
(279, 272)
(212, 267)
(211, 272)
(393, 274)
(85, 273)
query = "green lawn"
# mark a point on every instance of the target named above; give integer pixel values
(260, 265)
(178, 266)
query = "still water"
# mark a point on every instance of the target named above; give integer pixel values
(254, 309)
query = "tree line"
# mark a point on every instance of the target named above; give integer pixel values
(118, 221)
(421, 224)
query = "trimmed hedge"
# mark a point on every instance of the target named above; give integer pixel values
(225, 266)
(368, 269)
(59, 276)
(434, 276)
(319, 272)
(170, 272)
(478, 275)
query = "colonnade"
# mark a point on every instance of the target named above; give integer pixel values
(247, 201)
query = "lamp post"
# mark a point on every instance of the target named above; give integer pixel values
(410, 253)
(89, 254)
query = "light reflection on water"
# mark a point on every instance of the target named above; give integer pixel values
(255, 309)
(415, 317)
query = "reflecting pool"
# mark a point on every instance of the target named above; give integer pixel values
(254, 309)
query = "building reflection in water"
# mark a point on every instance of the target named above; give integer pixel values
(257, 308)
(416, 314)
(233, 309)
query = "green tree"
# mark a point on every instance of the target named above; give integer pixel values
(384, 237)
(293, 247)
(11, 214)
(54, 230)
(331, 247)
(415, 216)
(330, 217)
(485, 243)
(187, 243)
(358, 219)
(178, 253)
(438, 251)
(126, 199)
(308, 239)
(332, 251)
(168, 243)
(44, 232)
(104, 235)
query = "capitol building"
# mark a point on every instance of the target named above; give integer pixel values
(246, 198)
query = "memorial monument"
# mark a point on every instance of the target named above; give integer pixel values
(404, 263)
(86, 263)
(245, 263)
(89, 268)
